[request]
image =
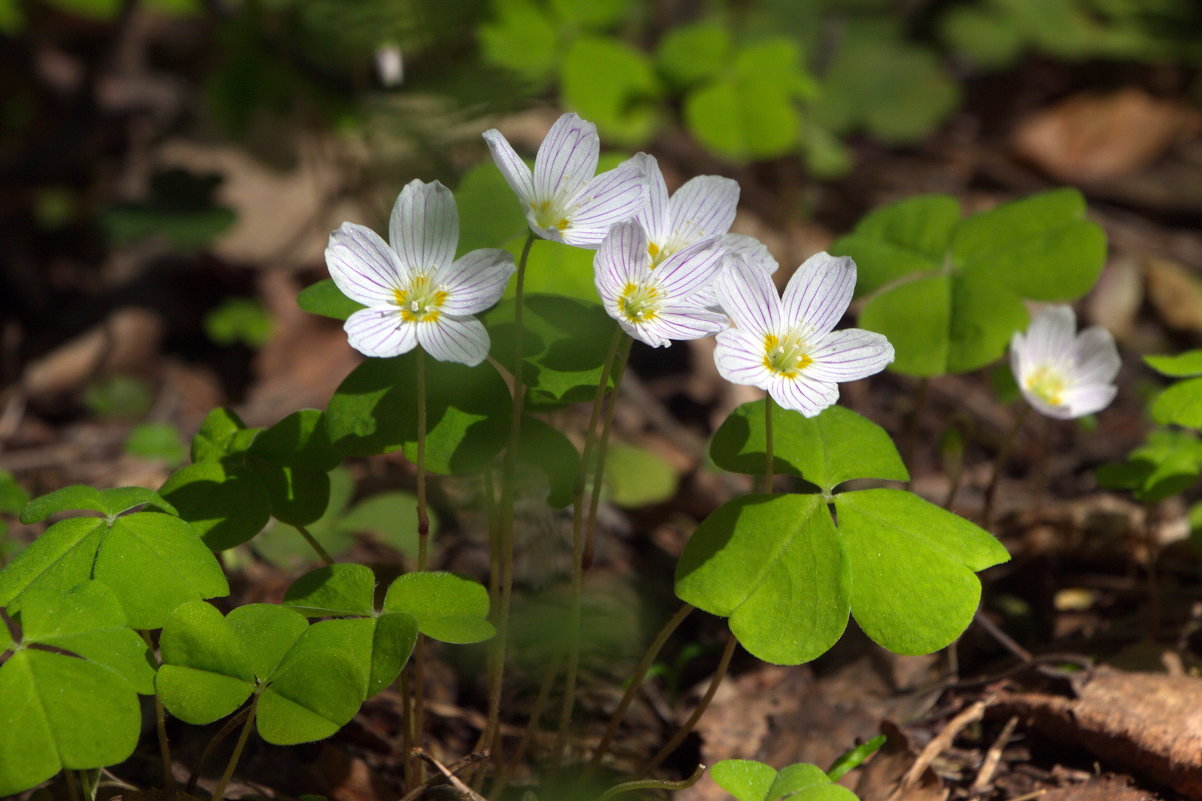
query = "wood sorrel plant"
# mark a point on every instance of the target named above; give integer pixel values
(787, 569)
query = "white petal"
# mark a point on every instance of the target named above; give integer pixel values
(739, 358)
(803, 394)
(515, 171)
(622, 259)
(608, 199)
(654, 215)
(424, 227)
(648, 333)
(1081, 401)
(849, 355)
(476, 281)
(362, 265)
(750, 250)
(1050, 336)
(454, 339)
(379, 332)
(819, 292)
(566, 159)
(703, 206)
(679, 322)
(1017, 359)
(1095, 357)
(749, 297)
(691, 269)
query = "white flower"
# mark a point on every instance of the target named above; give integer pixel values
(415, 291)
(787, 345)
(702, 208)
(656, 303)
(1061, 373)
(562, 198)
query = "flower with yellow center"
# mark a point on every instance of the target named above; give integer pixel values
(787, 345)
(1061, 373)
(656, 304)
(562, 198)
(415, 291)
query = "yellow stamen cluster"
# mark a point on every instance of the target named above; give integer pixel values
(786, 356)
(544, 216)
(421, 301)
(639, 303)
(1047, 383)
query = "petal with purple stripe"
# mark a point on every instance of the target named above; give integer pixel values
(849, 355)
(691, 269)
(476, 281)
(739, 358)
(454, 339)
(819, 292)
(622, 259)
(566, 159)
(654, 215)
(362, 265)
(424, 226)
(802, 394)
(379, 332)
(749, 297)
(512, 168)
(703, 206)
(608, 199)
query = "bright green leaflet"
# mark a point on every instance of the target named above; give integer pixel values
(224, 501)
(1183, 365)
(75, 710)
(151, 561)
(1180, 404)
(912, 563)
(484, 221)
(298, 440)
(325, 299)
(522, 38)
(380, 643)
(213, 664)
(447, 607)
(1169, 462)
(564, 348)
(826, 450)
(374, 411)
(613, 85)
(546, 450)
(638, 477)
(949, 291)
(750, 110)
(221, 434)
(688, 54)
(748, 780)
(881, 83)
(774, 566)
(109, 502)
(554, 268)
(156, 441)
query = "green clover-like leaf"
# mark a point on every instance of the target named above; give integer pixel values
(325, 299)
(1182, 365)
(446, 607)
(772, 564)
(913, 587)
(1180, 404)
(75, 707)
(748, 780)
(109, 502)
(224, 500)
(374, 410)
(151, 561)
(836, 446)
(343, 589)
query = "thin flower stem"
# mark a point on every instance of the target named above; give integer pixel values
(617, 357)
(417, 701)
(769, 456)
(423, 520)
(653, 784)
(636, 681)
(488, 740)
(219, 793)
(315, 545)
(702, 705)
(72, 785)
(160, 725)
(999, 466)
(213, 742)
(87, 784)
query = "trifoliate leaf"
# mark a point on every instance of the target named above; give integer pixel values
(1180, 404)
(334, 590)
(1182, 365)
(613, 85)
(109, 502)
(225, 502)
